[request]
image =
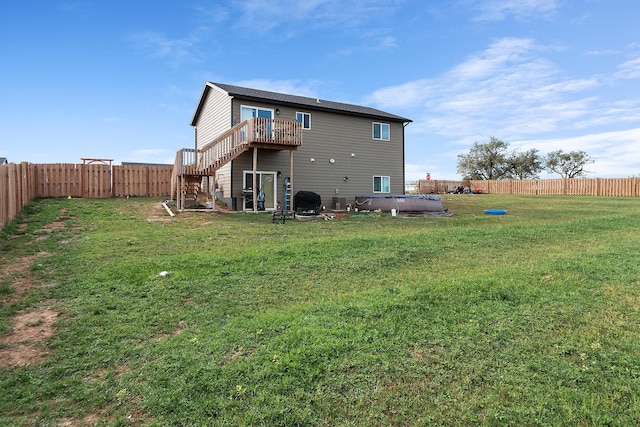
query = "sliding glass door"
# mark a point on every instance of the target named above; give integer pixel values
(266, 182)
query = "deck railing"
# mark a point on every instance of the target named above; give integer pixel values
(266, 132)
(185, 163)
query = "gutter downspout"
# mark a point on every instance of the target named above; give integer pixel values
(404, 172)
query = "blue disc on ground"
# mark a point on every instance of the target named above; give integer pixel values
(495, 211)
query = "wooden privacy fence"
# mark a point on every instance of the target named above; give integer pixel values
(142, 181)
(439, 186)
(21, 183)
(606, 187)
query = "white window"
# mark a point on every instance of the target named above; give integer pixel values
(305, 119)
(381, 131)
(381, 184)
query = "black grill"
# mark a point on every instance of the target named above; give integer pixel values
(307, 203)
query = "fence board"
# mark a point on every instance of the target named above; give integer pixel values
(144, 181)
(96, 180)
(4, 196)
(16, 190)
(159, 184)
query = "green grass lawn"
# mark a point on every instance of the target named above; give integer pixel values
(529, 318)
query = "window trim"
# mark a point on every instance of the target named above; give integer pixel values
(382, 126)
(257, 111)
(382, 179)
(303, 114)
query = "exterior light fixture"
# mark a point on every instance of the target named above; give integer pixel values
(332, 161)
(313, 160)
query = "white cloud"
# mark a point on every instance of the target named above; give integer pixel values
(508, 90)
(151, 155)
(629, 69)
(610, 150)
(295, 16)
(179, 50)
(157, 46)
(499, 10)
(604, 52)
(211, 13)
(386, 42)
(283, 20)
(502, 65)
(501, 53)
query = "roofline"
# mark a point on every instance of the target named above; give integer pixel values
(320, 108)
(210, 85)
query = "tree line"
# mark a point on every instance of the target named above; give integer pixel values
(495, 160)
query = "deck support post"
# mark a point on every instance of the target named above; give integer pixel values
(213, 185)
(182, 191)
(255, 171)
(291, 206)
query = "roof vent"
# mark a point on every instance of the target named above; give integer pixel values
(318, 100)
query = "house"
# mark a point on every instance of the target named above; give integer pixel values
(3, 161)
(258, 145)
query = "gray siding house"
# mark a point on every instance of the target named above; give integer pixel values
(286, 143)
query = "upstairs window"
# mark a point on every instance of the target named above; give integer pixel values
(305, 119)
(381, 184)
(381, 131)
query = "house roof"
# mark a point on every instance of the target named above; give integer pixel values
(298, 101)
(3, 160)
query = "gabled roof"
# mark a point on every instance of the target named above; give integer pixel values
(3, 160)
(296, 101)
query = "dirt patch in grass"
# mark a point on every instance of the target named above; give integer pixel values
(49, 228)
(88, 420)
(26, 344)
(22, 264)
(17, 273)
(157, 213)
(106, 417)
(23, 354)
(34, 326)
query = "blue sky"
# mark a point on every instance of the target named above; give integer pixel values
(121, 79)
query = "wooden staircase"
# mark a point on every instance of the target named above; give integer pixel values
(191, 187)
(192, 166)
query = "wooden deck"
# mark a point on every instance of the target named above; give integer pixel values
(272, 134)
